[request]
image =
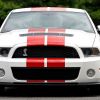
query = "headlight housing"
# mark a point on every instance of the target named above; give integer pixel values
(90, 52)
(4, 52)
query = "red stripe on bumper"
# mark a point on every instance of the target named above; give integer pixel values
(56, 62)
(35, 62)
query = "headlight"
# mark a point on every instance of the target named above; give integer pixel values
(2, 72)
(90, 52)
(4, 52)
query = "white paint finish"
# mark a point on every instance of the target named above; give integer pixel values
(13, 38)
(48, 9)
(84, 64)
(75, 10)
(45, 62)
(45, 81)
(21, 10)
(70, 43)
(6, 64)
(45, 41)
(97, 41)
(15, 47)
(80, 38)
(98, 26)
(46, 30)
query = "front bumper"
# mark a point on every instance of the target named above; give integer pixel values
(38, 85)
(83, 63)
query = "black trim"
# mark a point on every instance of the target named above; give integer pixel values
(46, 73)
(45, 52)
(49, 84)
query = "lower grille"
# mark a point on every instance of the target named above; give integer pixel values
(21, 73)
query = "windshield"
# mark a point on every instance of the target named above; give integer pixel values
(48, 19)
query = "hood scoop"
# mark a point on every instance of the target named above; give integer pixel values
(49, 34)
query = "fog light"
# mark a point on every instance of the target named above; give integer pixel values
(2, 72)
(90, 72)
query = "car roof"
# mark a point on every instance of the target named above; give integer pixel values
(48, 9)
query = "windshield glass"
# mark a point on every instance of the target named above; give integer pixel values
(48, 19)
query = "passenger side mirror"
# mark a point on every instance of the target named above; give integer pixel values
(98, 28)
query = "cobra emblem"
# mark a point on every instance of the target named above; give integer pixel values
(25, 52)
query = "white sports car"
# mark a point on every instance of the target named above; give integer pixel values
(49, 45)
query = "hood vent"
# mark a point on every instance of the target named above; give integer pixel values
(50, 34)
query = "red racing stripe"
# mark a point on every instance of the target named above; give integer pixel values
(55, 40)
(56, 62)
(46, 9)
(35, 40)
(36, 30)
(35, 62)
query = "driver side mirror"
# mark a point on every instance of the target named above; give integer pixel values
(98, 28)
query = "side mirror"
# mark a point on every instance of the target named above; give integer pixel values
(98, 28)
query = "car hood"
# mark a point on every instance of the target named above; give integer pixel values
(78, 37)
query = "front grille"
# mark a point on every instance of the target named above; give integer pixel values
(25, 73)
(45, 52)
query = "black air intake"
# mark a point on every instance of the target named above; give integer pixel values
(45, 52)
(46, 73)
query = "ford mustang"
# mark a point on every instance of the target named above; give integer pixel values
(49, 45)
